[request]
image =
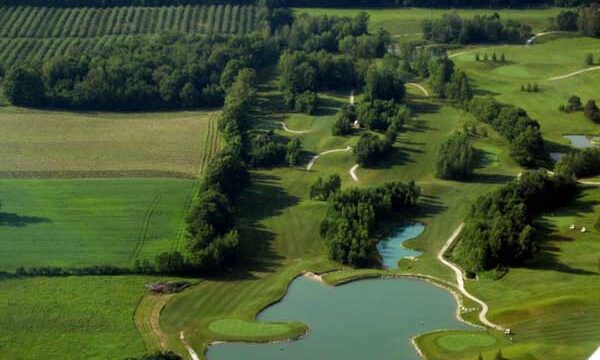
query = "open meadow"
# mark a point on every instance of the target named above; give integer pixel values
(46, 143)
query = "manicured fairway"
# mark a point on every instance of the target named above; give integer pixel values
(70, 318)
(89, 222)
(39, 143)
(537, 64)
(407, 21)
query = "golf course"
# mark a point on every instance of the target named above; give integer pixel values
(242, 180)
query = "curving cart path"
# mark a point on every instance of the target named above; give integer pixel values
(420, 87)
(187, 346)
(461, 282)
(314, 159)
(285, 128)
(352, 173)
(574, 73)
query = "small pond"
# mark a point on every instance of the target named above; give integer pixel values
(392, 249)
(366, 319)
(583, 141)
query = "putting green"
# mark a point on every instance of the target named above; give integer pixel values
(463, 341)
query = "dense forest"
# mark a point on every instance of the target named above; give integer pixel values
(499, 229)
(586, 20)
(352, 217)
(453, 29)
(166, 71)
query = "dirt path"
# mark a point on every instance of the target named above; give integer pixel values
(574, 73)
(461, 282)
(534, 37)
(420, 87)
(285, 128)
(353, 173)
(458, 54)
(187, 346)
(314, 159)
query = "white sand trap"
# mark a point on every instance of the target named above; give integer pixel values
(596, 355)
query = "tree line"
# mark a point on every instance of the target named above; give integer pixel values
(499, 229)
(453, 29)
(166, 71)
(352, 216)
(585, 20)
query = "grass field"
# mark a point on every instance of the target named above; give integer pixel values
(39, 33)
(70, 318)
(405, 22)
(90, 221)
(539, 63)
(100, 144)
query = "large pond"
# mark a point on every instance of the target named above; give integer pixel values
(392, 249)
(366, 319)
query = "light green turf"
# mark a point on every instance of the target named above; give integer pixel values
(539, 63)
(240, 329)
(89, 222)
(98, 143)
(70, 318)
(406, 22)
(459, 342)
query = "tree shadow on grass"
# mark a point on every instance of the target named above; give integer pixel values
(548, 257)
(424, 107)
(264, 199)
(15, 220)
(429, 205)
(491, 178)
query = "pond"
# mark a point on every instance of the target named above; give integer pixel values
(392, 249)
(366, 319)
(583, 141)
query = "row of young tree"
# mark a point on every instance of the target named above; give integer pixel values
(163, 71)
(499, 230)
(352, 217)
(453, 29)
(299, 3)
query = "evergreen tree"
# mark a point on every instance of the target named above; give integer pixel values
(485, 57)
(477, 57)
(494, 58)
(502, 58)
(589, 59)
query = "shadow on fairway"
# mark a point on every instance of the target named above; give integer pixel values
(264, 199)
(16, 220)
(549, 254)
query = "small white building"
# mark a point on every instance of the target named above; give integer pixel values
(572, 227)
(583, 229)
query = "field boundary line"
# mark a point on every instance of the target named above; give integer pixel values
(460, 279)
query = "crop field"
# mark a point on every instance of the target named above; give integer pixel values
(36, 34)
(44, 143)
(87, 222)
(539, 64)
(403, 22)
(70, 317)
(49, 22)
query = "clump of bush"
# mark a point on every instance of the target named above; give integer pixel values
(456, 158)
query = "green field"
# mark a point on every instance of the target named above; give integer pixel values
(403, 22)
(43, 143)
(539, 63)
(39, 33)
(70, 318)
(90, 221)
